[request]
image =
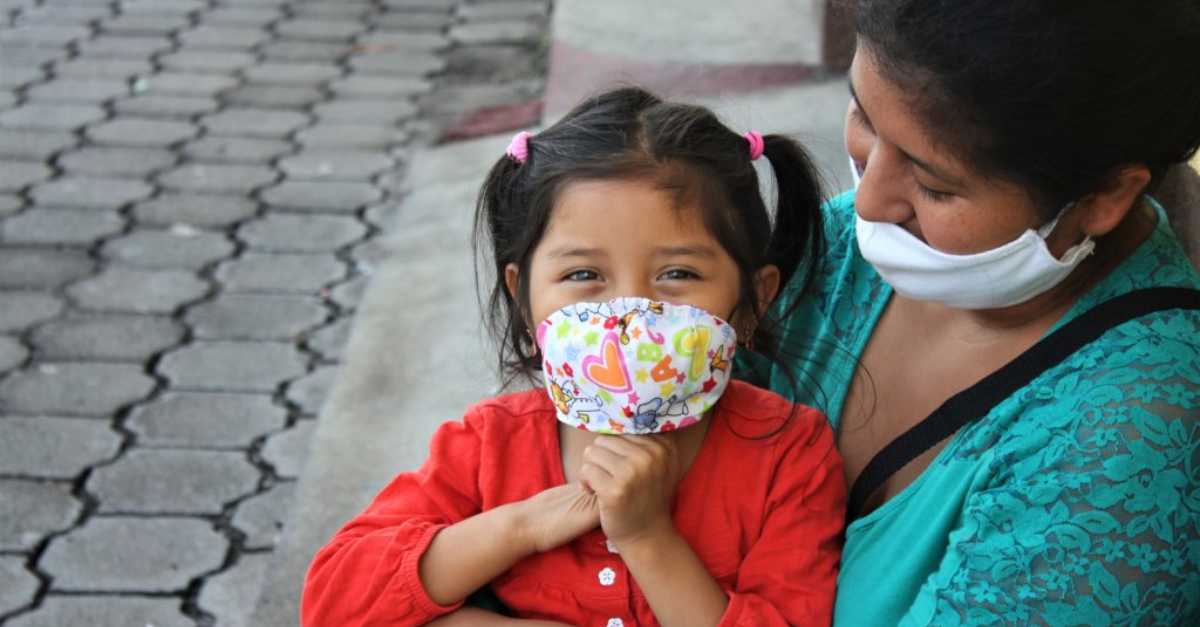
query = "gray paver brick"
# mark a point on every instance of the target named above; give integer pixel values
(16, 175)
(255, 317)
(302, 274)
(64, 15)
(232, 366)
(118, 68)
(163, 106)
(17, 585)
(309, 391)
(401, 63)
(133, 554)
(279, 96)
(172, 481)
(236, 149)
(136, 290)
(33, 509)
(332, 165)
(502, 10)
(347, 295)
(10, 204)
(162, 7)
(143, 25)
(206, 61)
(324, 30)
(23, 309)
(13, 78)
(42, 267)
(12, 353)
(366, 111)
(262, 517)
(90, 193)
(78, 389)
(123, 47)
(330, 136)
(279, 73)
(52, 117)
(61, 226)
(344, 9)
(188, 84)
(25, 55)
(44, 35)
(54, 448)
(304, 51)
(174, 248)
(204, 210)
(380, 87)
(131, 162)
(301, 233)
(414, 22)
(331, 341)
(254, 122)
(79, 91)
(36, 145)
(206, 419)
(402, 40)
(241, 16)
(106, 337)
(321, 196)
(217, 178)
(287, 450)
(231, 596)
(62, 610)
(127, 131)
(216, 37)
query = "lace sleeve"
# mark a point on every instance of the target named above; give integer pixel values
(1093, 513)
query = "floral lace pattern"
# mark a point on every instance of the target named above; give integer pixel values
(1091, 513)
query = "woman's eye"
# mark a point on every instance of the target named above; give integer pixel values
(933, 194)
(678, 274)
(581, 275)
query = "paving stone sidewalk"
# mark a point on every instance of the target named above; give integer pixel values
(191, 193)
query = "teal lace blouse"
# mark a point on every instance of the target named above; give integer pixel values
(1074, 502)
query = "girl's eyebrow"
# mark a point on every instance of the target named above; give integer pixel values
(574, 251)
(693, 250)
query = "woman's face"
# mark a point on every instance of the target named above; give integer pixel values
(911, 181)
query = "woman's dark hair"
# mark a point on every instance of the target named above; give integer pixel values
(630, 134)
(1053, 95)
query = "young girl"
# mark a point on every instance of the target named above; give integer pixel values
(640, 485)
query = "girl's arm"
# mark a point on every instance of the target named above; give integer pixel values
(786, 578)
(395, 564)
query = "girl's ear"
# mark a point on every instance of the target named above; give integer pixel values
(1103, 210)
(512, 277)
(766, 286)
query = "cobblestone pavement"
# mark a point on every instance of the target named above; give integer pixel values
(190, 197)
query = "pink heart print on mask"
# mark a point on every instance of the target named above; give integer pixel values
(634, 365)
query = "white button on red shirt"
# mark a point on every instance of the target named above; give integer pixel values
(612, 548)
(608, 577)
(615, 622)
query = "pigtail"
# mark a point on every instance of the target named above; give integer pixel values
(797, 241)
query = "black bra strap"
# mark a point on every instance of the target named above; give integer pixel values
(975, 401)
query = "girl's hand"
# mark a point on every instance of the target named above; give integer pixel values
(558, 515)
(633, 478)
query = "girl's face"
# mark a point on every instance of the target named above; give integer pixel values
(627, 238)
(911, 181)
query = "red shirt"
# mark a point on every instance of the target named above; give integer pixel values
(762, 506)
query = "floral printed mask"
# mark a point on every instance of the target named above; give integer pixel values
(634, 365)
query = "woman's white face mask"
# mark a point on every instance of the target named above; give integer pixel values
(1000, 277)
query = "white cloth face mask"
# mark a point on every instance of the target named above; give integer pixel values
(1000, 277)
(634, 365)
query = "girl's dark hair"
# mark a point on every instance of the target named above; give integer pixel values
(1053, 95)
(631, 134)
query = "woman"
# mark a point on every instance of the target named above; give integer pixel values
(1007, 151)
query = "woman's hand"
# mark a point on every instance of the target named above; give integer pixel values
(633, 478)
(558, 515)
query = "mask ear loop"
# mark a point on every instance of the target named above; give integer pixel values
(1048, 228)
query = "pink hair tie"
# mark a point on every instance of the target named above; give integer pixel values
(756, 144)
(518, 148)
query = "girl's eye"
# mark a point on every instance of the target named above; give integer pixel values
(582, 275)
(933, 194)
(860, 120)
(678, 274)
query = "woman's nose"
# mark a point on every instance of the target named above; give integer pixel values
(881, 197)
